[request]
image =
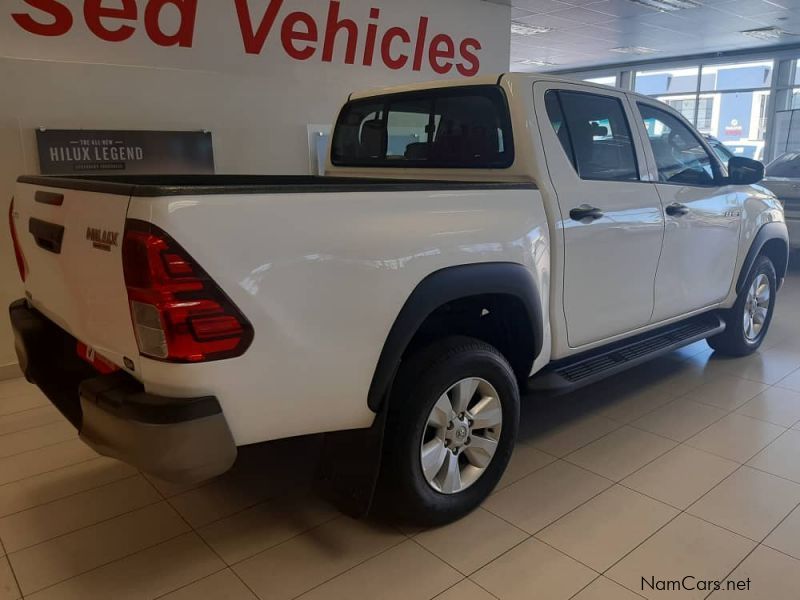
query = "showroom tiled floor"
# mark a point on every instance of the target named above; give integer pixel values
(686, 466)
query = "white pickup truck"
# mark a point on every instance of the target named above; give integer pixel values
(471, 239)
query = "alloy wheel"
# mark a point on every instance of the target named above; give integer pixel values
(756, 307)
(461, 435)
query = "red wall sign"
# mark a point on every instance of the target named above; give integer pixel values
(302, 36)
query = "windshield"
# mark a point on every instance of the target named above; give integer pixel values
(455, 127)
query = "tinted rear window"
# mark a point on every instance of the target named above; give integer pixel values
(463, 127)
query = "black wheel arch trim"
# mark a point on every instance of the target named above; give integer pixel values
(768, 232)
(447, 285)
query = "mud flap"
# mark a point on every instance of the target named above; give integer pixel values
(348, 470)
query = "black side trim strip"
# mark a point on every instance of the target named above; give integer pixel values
(444, 286)
(768, 232)
(181, 185)
(48, 236)
(49, 198)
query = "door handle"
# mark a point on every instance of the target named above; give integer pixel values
(584, 211)
(677, 210)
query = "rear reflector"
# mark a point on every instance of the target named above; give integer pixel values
(21, 264)
(179, 313)
(101, 364)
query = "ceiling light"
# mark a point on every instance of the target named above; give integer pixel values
(668, 5)
(634, 50)
(536, 62)
(765, 33)
(518, 28)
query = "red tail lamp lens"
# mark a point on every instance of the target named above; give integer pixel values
(179, 313)
(21, 264)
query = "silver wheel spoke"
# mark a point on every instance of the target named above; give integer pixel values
(433, 457)
(486, 413)
(481, 451)
(756, 308)
(441, 413)
(451, 474)
(462, 393)
(467, 419)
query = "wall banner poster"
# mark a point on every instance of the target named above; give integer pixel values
(83, 151)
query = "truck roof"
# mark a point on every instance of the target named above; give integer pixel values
(493, 79)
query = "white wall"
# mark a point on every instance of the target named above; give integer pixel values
(257, 105)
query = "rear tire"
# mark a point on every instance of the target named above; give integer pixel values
(453, 419)
(747, 323)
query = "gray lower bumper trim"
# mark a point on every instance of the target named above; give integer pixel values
(184, 452)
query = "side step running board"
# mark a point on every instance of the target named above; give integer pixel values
(586, 368)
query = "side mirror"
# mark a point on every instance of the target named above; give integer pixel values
(744, 171)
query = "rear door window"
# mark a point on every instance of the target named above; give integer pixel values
(595, 134)
(460, 127)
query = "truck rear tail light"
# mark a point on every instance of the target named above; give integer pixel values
(179, 313)
(21, 264)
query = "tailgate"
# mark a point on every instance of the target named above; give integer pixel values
(72, 243)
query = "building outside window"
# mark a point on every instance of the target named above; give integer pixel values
(686, 105)
(705, 113)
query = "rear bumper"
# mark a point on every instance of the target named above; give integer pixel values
(177, 439)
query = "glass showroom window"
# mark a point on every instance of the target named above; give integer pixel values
(739, 95)
(667, 81)
(678, 89)
(610, 80)
(737, 76)
(795, 95)
(727, 101)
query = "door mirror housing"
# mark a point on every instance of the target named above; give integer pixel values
(744, 171)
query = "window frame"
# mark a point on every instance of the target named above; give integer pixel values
(486, 90)
(572, 155)
(720, 171)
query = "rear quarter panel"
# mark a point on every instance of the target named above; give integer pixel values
(322, 278)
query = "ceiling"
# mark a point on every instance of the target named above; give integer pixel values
(578, 34)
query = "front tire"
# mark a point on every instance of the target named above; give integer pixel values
(748, 321)
(453, 419)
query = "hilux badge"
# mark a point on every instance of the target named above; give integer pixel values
(102, 239)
